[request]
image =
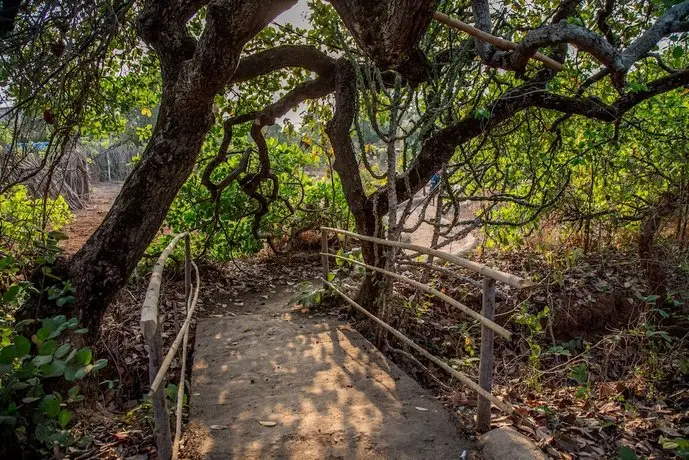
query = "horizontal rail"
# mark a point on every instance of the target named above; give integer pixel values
(180, 336)
(492, 39)
(477, 316)
(505, 407)
(512, 280)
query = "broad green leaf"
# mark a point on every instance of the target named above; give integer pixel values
(84, 356)
(62, 350)
(22, 346)
(47, 348)
(64, 417)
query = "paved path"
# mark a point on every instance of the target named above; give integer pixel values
(329, 393)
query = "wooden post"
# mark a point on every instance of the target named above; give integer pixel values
(158, 399)
(486, 365)
(325, 261)
(187, 276)
(151, 330)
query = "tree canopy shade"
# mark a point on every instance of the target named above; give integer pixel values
(436, 92)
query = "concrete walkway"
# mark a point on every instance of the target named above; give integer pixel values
(273, 382)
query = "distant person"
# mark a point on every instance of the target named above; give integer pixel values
(435, 180)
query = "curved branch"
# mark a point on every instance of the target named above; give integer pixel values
(280, 57)
(440, 147)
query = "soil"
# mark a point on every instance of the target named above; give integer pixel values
(274, 380)
(87, 220)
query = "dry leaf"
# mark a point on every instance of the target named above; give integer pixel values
(267, 423)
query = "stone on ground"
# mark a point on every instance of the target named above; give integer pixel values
(505, 443)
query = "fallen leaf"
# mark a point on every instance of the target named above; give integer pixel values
(267, 423)
(218, 427)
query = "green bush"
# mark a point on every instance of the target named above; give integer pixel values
(24, 220)
(34, 412)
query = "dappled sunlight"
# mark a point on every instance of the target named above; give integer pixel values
(307, 388)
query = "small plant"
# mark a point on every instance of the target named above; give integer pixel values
(679, 446)
(30, 366)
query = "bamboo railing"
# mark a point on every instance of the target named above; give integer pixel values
(158, 365)
(486, 317)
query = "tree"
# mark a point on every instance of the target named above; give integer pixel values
(401, 71)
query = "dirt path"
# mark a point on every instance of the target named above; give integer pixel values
(328, 392)
(87, 220)
(423, 236)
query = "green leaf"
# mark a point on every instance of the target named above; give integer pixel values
(677, 52)
(62, 350)
(47, 348)
(100, 364)
(7, 354)
(56, 368)
(84, 356)
(39, 361)
(70, 374)
(625, 453)
(50, 405)
(80, 373)
(81, 331)
(22, 346)
(11, 293)
(29, 400)
(64, 417)
(65, 300)
(8, 420)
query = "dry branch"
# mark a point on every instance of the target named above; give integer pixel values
(492, 39)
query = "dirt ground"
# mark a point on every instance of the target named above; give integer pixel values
(271, 380)
(87, 220)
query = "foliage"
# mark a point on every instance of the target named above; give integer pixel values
(34, 368)
(224, 228)
(23, 218)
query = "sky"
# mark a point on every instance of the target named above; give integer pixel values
(297, 15)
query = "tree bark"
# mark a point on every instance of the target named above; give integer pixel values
(193, 73)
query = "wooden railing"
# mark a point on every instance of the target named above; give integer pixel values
(158, 365)
(486, 317)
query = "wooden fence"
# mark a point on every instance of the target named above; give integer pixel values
(158, 365)
(486, 317)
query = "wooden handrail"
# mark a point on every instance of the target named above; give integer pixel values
(492, 39)
(170, 356)
(149, 310)
(482, 269)
(447, 299)
(157, 366)
(505, 407)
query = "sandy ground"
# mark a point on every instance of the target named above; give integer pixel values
(326, 391)
(87, 220)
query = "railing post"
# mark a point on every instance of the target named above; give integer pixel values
(486, 365)
(187, 277)
(158, 399)
(325, 261)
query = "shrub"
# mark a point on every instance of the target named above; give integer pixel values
(34, 412)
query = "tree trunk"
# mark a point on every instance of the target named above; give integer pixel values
(193, 72)
(367, 221)
(654, 268)
(103, 264)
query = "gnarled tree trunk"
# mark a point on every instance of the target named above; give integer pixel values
(193, 73)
